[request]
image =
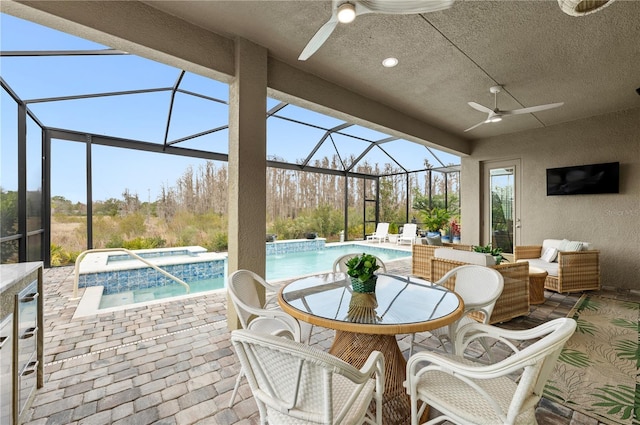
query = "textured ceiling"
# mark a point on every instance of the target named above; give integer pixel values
(448, 58)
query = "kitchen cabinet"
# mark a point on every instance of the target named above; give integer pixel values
(21, 338)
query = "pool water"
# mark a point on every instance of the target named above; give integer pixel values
(280, 266)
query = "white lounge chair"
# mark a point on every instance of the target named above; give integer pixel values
(409, 232)
(381, 234)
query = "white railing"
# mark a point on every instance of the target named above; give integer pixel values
(134, 255)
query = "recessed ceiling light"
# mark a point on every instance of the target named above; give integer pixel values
(389, 62)
(346, 13)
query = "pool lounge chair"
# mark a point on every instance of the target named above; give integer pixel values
(381, 234)
(409, 232)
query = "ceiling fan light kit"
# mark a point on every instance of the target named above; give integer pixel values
(496, 114)
(346, 13)
(583, 7)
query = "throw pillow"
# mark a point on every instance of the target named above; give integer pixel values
(573, 246)
(549, 255)
(434, 240)
(563, 245)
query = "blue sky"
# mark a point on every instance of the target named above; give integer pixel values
(143, 117)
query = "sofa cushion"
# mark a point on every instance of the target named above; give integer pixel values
(573, 246)
(469, 257)
(561, 244)
(551, 268)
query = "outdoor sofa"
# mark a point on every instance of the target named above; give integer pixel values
(575, 267)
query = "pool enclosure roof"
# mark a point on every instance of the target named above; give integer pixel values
(69, 83)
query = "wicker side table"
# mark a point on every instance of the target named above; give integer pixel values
(537, 277)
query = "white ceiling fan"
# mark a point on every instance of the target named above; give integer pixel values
(345, 11)
(495, 114)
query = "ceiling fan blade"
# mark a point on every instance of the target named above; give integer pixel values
(532, 109)
(480, 108)
(405, 7)
(319, 38)
(477, 125)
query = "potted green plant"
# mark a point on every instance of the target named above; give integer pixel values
(361, 269)
(435, 219)
(496, 253)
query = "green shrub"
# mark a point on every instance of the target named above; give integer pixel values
(62, 257)
(219, 242)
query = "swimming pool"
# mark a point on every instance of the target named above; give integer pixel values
(279, 266)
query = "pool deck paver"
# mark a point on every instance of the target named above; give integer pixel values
(173, 363)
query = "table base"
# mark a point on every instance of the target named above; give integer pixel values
(354, 348)
(536, 288)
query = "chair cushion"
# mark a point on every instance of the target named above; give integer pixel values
(469, 257)
(442, 389)
(551, 268)
(342, 389)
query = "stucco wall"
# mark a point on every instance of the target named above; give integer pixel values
(610, 221)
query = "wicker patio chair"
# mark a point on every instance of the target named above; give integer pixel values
(479, 288)
(293, 383)
(467, 392)
(514, 300)
(255, 315)
(577, 270)
(422, 255)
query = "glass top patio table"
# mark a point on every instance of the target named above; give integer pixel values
(398, 305)
(365, 322)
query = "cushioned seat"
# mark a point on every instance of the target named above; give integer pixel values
(551, 268)
(469, 257)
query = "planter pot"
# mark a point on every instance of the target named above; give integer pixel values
(311, 235)
(456, 239)
(433, 234)
(446, 238)
(364, 287)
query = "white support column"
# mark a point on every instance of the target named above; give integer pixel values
(247, 163)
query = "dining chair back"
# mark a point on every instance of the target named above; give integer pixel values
(479, 287)
(293, 383)
(340, 264)
(253, 313)
(505, 392)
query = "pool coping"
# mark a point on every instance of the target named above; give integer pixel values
(97, 262)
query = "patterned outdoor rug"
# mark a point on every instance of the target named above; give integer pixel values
(597, 372)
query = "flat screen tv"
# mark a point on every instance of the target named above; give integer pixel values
(583, 179)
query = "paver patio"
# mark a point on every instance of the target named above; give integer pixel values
(172, 363)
